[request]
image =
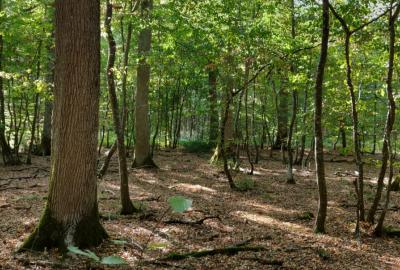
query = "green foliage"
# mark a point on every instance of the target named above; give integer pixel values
(196, 146)
(156, 245)
(110, 260)
(245, 184)
(179, 204)
(306, 216)
(323, 254)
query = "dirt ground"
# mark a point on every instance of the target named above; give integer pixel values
(273, 215)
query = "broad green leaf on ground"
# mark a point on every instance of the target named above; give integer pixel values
(113, 260)
(179, 204)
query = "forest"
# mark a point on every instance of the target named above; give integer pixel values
(199, 134)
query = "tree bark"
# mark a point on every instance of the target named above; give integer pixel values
(290, 178)
(390, 115)
(71, 215)
(319, 145)
(126, 203)
(8, 157)
(213, 112)
(356, 135)
(36, 108)
(143, 157)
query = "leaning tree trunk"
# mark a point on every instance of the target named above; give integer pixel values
(319, 145)
(126, 203)
(142, 129)
(71, 214)
(389, 120)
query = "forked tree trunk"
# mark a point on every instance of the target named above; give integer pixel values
(71, 215)
(143, 157)
(126, 203)
(319, 145)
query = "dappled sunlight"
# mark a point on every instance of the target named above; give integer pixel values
(267, 220)
(272, 208)
(247, 171)
(185, 187)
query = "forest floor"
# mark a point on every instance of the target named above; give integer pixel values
(273, 215)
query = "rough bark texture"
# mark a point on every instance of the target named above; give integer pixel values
(126, 204)
(319, 145)
(142, 128)
(71, 214)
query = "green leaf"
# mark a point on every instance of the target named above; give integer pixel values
(179, 204)
(156, 245)
(86, 253)
(119, 242)
(113, 260)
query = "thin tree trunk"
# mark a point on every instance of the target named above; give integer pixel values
(36, 109)
(126, 203)
(8, 157)
(213, 112)
(356, 135)
(319, 145)
(246, 108)
(390, 115)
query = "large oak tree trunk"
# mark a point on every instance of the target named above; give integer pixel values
(71, 214)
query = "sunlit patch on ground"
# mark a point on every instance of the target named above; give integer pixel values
(273, 214)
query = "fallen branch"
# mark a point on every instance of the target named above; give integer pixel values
(190, 222)
(218, 251)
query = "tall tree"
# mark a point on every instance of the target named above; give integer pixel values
(71, 214)
(319, 144)
(213, 112)
(390, 119)
(8, 157)
(142, 126)
(126, 203)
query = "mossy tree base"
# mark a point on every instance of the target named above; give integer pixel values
(147, 163)
(52, 234)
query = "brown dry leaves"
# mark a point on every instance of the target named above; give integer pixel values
(274, 215)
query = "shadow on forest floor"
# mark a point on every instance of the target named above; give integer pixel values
(271, 214)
